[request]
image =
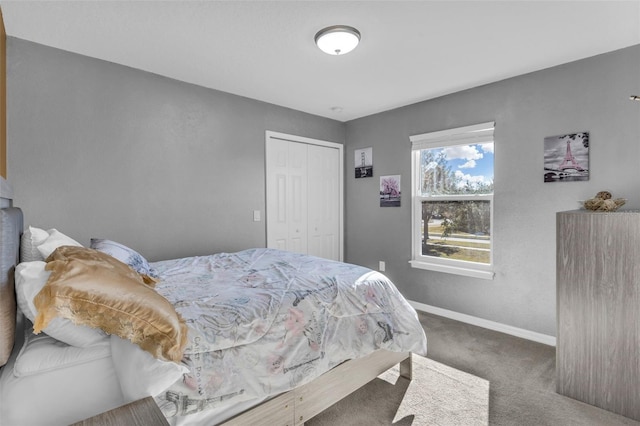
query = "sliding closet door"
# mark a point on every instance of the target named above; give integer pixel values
(304, 195)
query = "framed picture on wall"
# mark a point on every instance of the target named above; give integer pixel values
(390, 193)
(566, 157)
(363, 162)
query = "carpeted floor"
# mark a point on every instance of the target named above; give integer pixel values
(437, 395)
(520, 375)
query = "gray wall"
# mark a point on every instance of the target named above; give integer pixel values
(97, 149)
(172, 169)
(589, 95)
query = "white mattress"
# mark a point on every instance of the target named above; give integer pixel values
(64, 386)
(49, 383)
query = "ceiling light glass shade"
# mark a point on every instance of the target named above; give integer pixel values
(338, 39)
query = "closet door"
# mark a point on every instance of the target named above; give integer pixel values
(304, 195)
(323, 202)
(287, 195)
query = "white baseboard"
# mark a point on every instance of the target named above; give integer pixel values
(491, 325)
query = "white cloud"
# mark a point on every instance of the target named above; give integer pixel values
(462, 152)
(473, 180)
(468, 165)
(487, 147)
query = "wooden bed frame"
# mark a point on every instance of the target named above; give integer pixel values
(289, 408)
(298, 405)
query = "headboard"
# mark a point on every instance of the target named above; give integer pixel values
(11, 226)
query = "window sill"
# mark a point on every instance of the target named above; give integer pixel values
(467, 272)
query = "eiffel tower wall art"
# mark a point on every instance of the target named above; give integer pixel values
(566, 157)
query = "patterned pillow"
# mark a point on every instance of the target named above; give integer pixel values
(125, 255)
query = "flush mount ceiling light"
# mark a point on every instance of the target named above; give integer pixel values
(337, 39)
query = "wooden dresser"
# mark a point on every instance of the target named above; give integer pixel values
(598, 309)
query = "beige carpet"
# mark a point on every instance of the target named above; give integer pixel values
(437, 395)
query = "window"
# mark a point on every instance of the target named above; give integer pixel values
(452, 200)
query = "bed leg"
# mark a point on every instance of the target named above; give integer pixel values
(406, 368)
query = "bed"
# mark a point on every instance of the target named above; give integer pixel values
(259, 336)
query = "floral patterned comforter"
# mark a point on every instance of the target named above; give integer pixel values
(263, 321)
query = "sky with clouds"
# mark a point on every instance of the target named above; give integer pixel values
(472, 163)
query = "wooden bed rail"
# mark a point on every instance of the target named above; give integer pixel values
(298, 405)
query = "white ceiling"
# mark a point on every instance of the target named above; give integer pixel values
(410, 50)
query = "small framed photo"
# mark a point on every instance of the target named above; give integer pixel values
(363, 162)
(566, 157)
(390, 193)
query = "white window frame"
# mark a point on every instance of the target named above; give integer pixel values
(475, 134)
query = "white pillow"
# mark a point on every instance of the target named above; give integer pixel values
(139, 373)
(56, 239)
(32, 237)
(30, 278)
(42, 353)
